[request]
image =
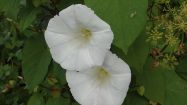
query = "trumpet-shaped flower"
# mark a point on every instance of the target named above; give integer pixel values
(77, 38)
(101, 85)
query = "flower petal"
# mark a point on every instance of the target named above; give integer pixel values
(87, 89)
(57, 25)
(102, 39)
(83, 14)
(82, 86)
(97, 24)
(66, 38)
(97, 55)
(72, 57)
(116, 65)
(63, 51)
(68, 17)
(53, 39)
(79, 60)
(86, 18)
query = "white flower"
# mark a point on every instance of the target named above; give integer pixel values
(77, 38)
(101, 85)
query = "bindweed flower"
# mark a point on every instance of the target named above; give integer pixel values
(101, 85)
(77, 38)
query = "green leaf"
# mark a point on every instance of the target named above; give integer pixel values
(135, 99)
(58, 101)
(163, 86)
(181, 68)
(10, 7)
(36, 99)
(118, 52)
(176, 89)
(27, 17)
(36, 59)
(126, 17)
(58, 72)
(65, 3)
(138, 53)
(37, 3)
(154, 84)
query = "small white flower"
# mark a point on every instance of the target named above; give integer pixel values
(101, 85)
(77, 38)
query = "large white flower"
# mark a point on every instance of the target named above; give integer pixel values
(101, 85)
(77, 38)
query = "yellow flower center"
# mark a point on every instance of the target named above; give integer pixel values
(102, 74)
(86, 33)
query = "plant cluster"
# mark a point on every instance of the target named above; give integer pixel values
(167, 32)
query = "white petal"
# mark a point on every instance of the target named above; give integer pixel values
(79, 60)
(97, 55)
(82, 86)
(86, 18)
(54, 39)
(97, 24)
(123, 81)
(87, 89)
(57, 25)
(63, 51)
(83, 14)
(68, 16)
(102, 39)
(72, 57)
(119, 86)
(116, 65)
(67, 44)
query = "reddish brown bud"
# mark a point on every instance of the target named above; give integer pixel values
(154, 52)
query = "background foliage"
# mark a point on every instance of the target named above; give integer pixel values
(150, 35)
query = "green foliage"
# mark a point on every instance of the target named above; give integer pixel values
(123, 15)
(27, 74)
(28, 16)
(36, 59)
(149, 79)
(163, 86)
(37, 3)
(65, 3)
(181, 69)
(167, 32)
(135, 99)
(10, 7)
(57, 101)
(58, 72)
(138, 53)
(36, 99)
